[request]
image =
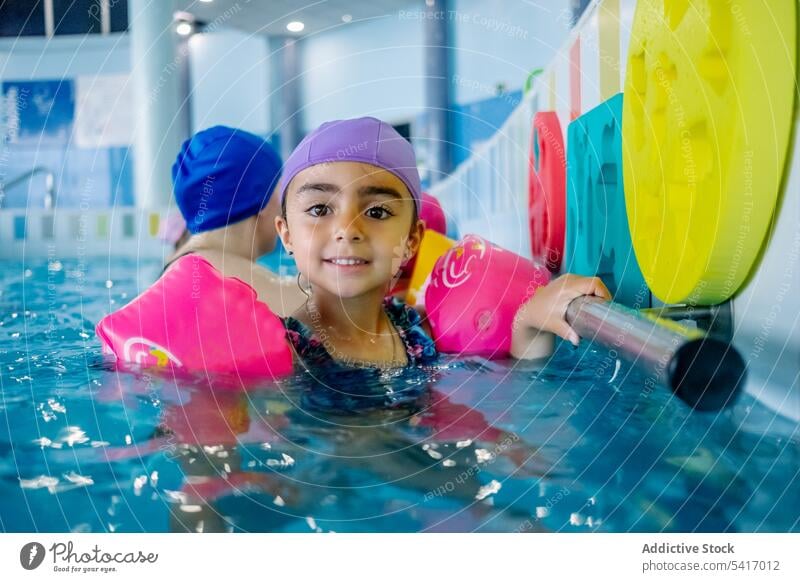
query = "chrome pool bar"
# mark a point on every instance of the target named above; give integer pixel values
(703, 371)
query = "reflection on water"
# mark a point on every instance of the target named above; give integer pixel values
(573, 444)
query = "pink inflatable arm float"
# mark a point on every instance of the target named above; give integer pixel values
(195, 319)
(475, 291)
(433, 215)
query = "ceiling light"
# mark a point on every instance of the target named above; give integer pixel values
(347, 18)
(295, 26)
(183, 28)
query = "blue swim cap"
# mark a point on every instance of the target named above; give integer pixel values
(223, 175)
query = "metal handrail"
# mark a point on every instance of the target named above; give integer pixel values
(50, 185)
(703, 371)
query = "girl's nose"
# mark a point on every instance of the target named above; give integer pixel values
(349, 227)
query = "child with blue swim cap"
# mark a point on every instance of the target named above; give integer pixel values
(350, 197)
(224, 180)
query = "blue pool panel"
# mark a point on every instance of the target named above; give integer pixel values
(598, 240)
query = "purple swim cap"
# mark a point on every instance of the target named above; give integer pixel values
(364, 139)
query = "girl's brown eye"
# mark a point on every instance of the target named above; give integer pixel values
(318, 210)
(379, 212)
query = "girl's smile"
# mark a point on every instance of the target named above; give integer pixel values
(347, 263)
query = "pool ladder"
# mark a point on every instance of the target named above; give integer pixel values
(49, 185)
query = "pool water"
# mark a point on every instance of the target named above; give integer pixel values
(578, 443)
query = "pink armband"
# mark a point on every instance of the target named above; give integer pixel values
(475, 290)
(195, 319)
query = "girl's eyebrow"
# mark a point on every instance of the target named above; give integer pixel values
(318, 187)
(365, 191)
(379, 191)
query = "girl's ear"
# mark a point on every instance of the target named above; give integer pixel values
(415, 237)
(283, 231)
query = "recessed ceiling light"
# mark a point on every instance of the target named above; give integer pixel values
(207, 1)
(295, 26)
(347, 18)
(184, 28)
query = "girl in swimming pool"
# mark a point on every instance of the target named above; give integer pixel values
(350, 197)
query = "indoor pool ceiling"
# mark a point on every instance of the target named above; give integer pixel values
(271, 16)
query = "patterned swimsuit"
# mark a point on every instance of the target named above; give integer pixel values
(419, 346)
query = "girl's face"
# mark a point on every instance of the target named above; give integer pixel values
(350, 227)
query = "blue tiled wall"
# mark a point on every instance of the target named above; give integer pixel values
(37, 122)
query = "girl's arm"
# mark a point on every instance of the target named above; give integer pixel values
(544, 315)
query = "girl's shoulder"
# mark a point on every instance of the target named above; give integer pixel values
(400, 311)
(412, 316)
(305, 343)
(413, 330)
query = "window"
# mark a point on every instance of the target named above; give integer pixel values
(21, 18)
(28, 18)
(404, 129)
(77, 16)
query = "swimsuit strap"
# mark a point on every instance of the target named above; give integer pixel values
(419, 345)
(408, 323)
(169, 264)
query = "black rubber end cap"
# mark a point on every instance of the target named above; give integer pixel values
(707, 374)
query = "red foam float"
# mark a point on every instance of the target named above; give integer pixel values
(547, 190)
